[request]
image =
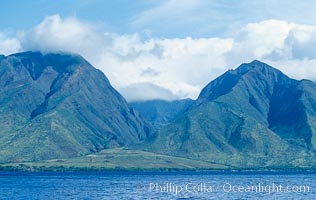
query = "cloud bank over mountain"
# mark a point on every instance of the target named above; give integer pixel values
(8, 44)
(146, 67)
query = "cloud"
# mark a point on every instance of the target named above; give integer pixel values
(285, 45)
(302, 40)
(182, 66)
(175, 67)
(69, 34)
(149, 72)
(203, 18)
(146, 91)
(8, 45)
(299, 69)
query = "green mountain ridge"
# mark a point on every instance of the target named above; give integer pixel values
(249, 117)
(161, 112)
(59, 106)
(59, 111)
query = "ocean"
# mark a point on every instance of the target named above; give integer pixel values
(157, 185)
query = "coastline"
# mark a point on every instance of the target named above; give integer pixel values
(24, 168)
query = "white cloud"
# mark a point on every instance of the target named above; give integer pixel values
(302, 40)
(200, 18)
(181, 65)
(299, 69)
(8, 45)
(175, 68)
(146, 91)
(69, 34)
(287, 46)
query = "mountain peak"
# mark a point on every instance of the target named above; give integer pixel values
(244, 117)
(58, 105)
(258, 66)
(34, 54)
(50, 58)
(250, 72)
(256, 62)
(36, 62)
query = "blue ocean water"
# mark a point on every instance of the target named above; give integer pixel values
(175, 185)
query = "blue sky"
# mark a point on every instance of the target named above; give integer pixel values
(114, 14)
(163, 18)
(168, 48)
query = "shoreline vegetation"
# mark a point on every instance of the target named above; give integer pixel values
(137, 161)
(25, 168)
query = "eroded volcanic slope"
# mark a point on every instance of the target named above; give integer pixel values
(59, 106)
(254, 116)
(161, 112)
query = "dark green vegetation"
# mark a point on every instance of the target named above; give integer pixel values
(59, 106)
(60, 113)
(160, 112)
(250, 117)
(116, 159)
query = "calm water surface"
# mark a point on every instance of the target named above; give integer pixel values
(184, 185)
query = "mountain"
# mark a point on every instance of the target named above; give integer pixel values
(161, 112)
(251, 117)
(59, 106)
(59, 111)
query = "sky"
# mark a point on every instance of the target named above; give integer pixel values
(166, 49)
